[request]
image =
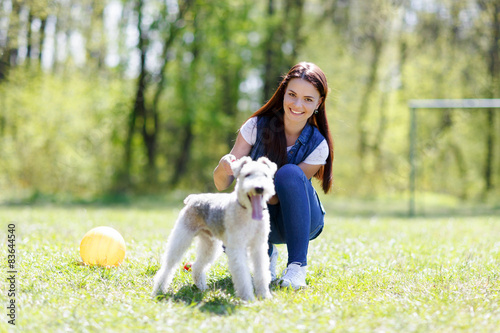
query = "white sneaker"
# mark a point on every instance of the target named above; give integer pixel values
(294, 276)
(273, 263)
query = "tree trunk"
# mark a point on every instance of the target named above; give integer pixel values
(42, 40)
(365, 97)
(148, 117)
(188, 86)
(182, 162)
(293, 18)
(270, 74)
(4, 65)
(29, 37)
(282, 33)
(139, 109)
(9, 57)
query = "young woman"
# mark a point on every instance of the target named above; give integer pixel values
(291, 129)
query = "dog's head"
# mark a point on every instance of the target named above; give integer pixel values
(254, 183)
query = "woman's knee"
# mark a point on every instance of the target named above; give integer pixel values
(287, 175)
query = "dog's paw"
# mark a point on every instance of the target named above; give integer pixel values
(201, 286)
(159, 288)
(264, 293)
(267, 295)
(249, 298)
(246, 296)
(155, 292)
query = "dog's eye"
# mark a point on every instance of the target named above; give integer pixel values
(248, 175)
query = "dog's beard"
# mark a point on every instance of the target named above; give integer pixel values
(257, 206)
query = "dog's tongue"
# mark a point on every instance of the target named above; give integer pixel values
(256, 207)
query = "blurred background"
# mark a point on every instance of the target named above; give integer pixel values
(112, 98)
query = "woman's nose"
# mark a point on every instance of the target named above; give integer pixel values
(297, 103)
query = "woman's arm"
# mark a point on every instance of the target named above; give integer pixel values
(309, 169)
(223, 175)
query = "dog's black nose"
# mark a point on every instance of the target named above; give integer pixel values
(259, 190)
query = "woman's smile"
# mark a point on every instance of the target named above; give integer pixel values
(296, 112)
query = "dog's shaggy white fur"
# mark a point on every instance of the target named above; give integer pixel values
(239, 220)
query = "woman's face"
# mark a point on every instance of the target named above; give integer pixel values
(300, 101)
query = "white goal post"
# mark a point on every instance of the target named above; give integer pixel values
(416, 104)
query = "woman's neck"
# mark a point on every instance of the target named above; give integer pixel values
(292, 132)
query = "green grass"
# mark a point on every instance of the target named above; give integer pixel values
(365, 274)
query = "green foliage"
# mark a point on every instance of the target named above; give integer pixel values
(364, 275)
(62, 135)
(64, 126)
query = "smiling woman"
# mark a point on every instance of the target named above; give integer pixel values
(292, 130)
(299, 103)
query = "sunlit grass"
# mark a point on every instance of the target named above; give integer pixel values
(365, 275)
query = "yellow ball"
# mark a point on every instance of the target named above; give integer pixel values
(102, 246)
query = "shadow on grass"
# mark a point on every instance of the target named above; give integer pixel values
(217, 299)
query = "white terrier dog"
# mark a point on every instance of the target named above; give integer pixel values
(239, 220)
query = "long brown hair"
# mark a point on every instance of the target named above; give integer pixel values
(274, 134)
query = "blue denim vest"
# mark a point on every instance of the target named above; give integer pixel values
(309, 139)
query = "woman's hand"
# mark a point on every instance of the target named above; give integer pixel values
(274, 200)
(223, 174)
(225, 163)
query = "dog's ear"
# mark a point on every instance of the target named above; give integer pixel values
(268, 163)
(238, 164)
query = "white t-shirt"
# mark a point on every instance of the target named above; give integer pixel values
(318, 157)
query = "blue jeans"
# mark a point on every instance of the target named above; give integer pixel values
(299, 215)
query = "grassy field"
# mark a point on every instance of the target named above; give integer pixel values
(366, 274)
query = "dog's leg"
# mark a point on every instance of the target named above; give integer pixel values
(179, 241)
(208, 250)
(237, 260)
(262, 275)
